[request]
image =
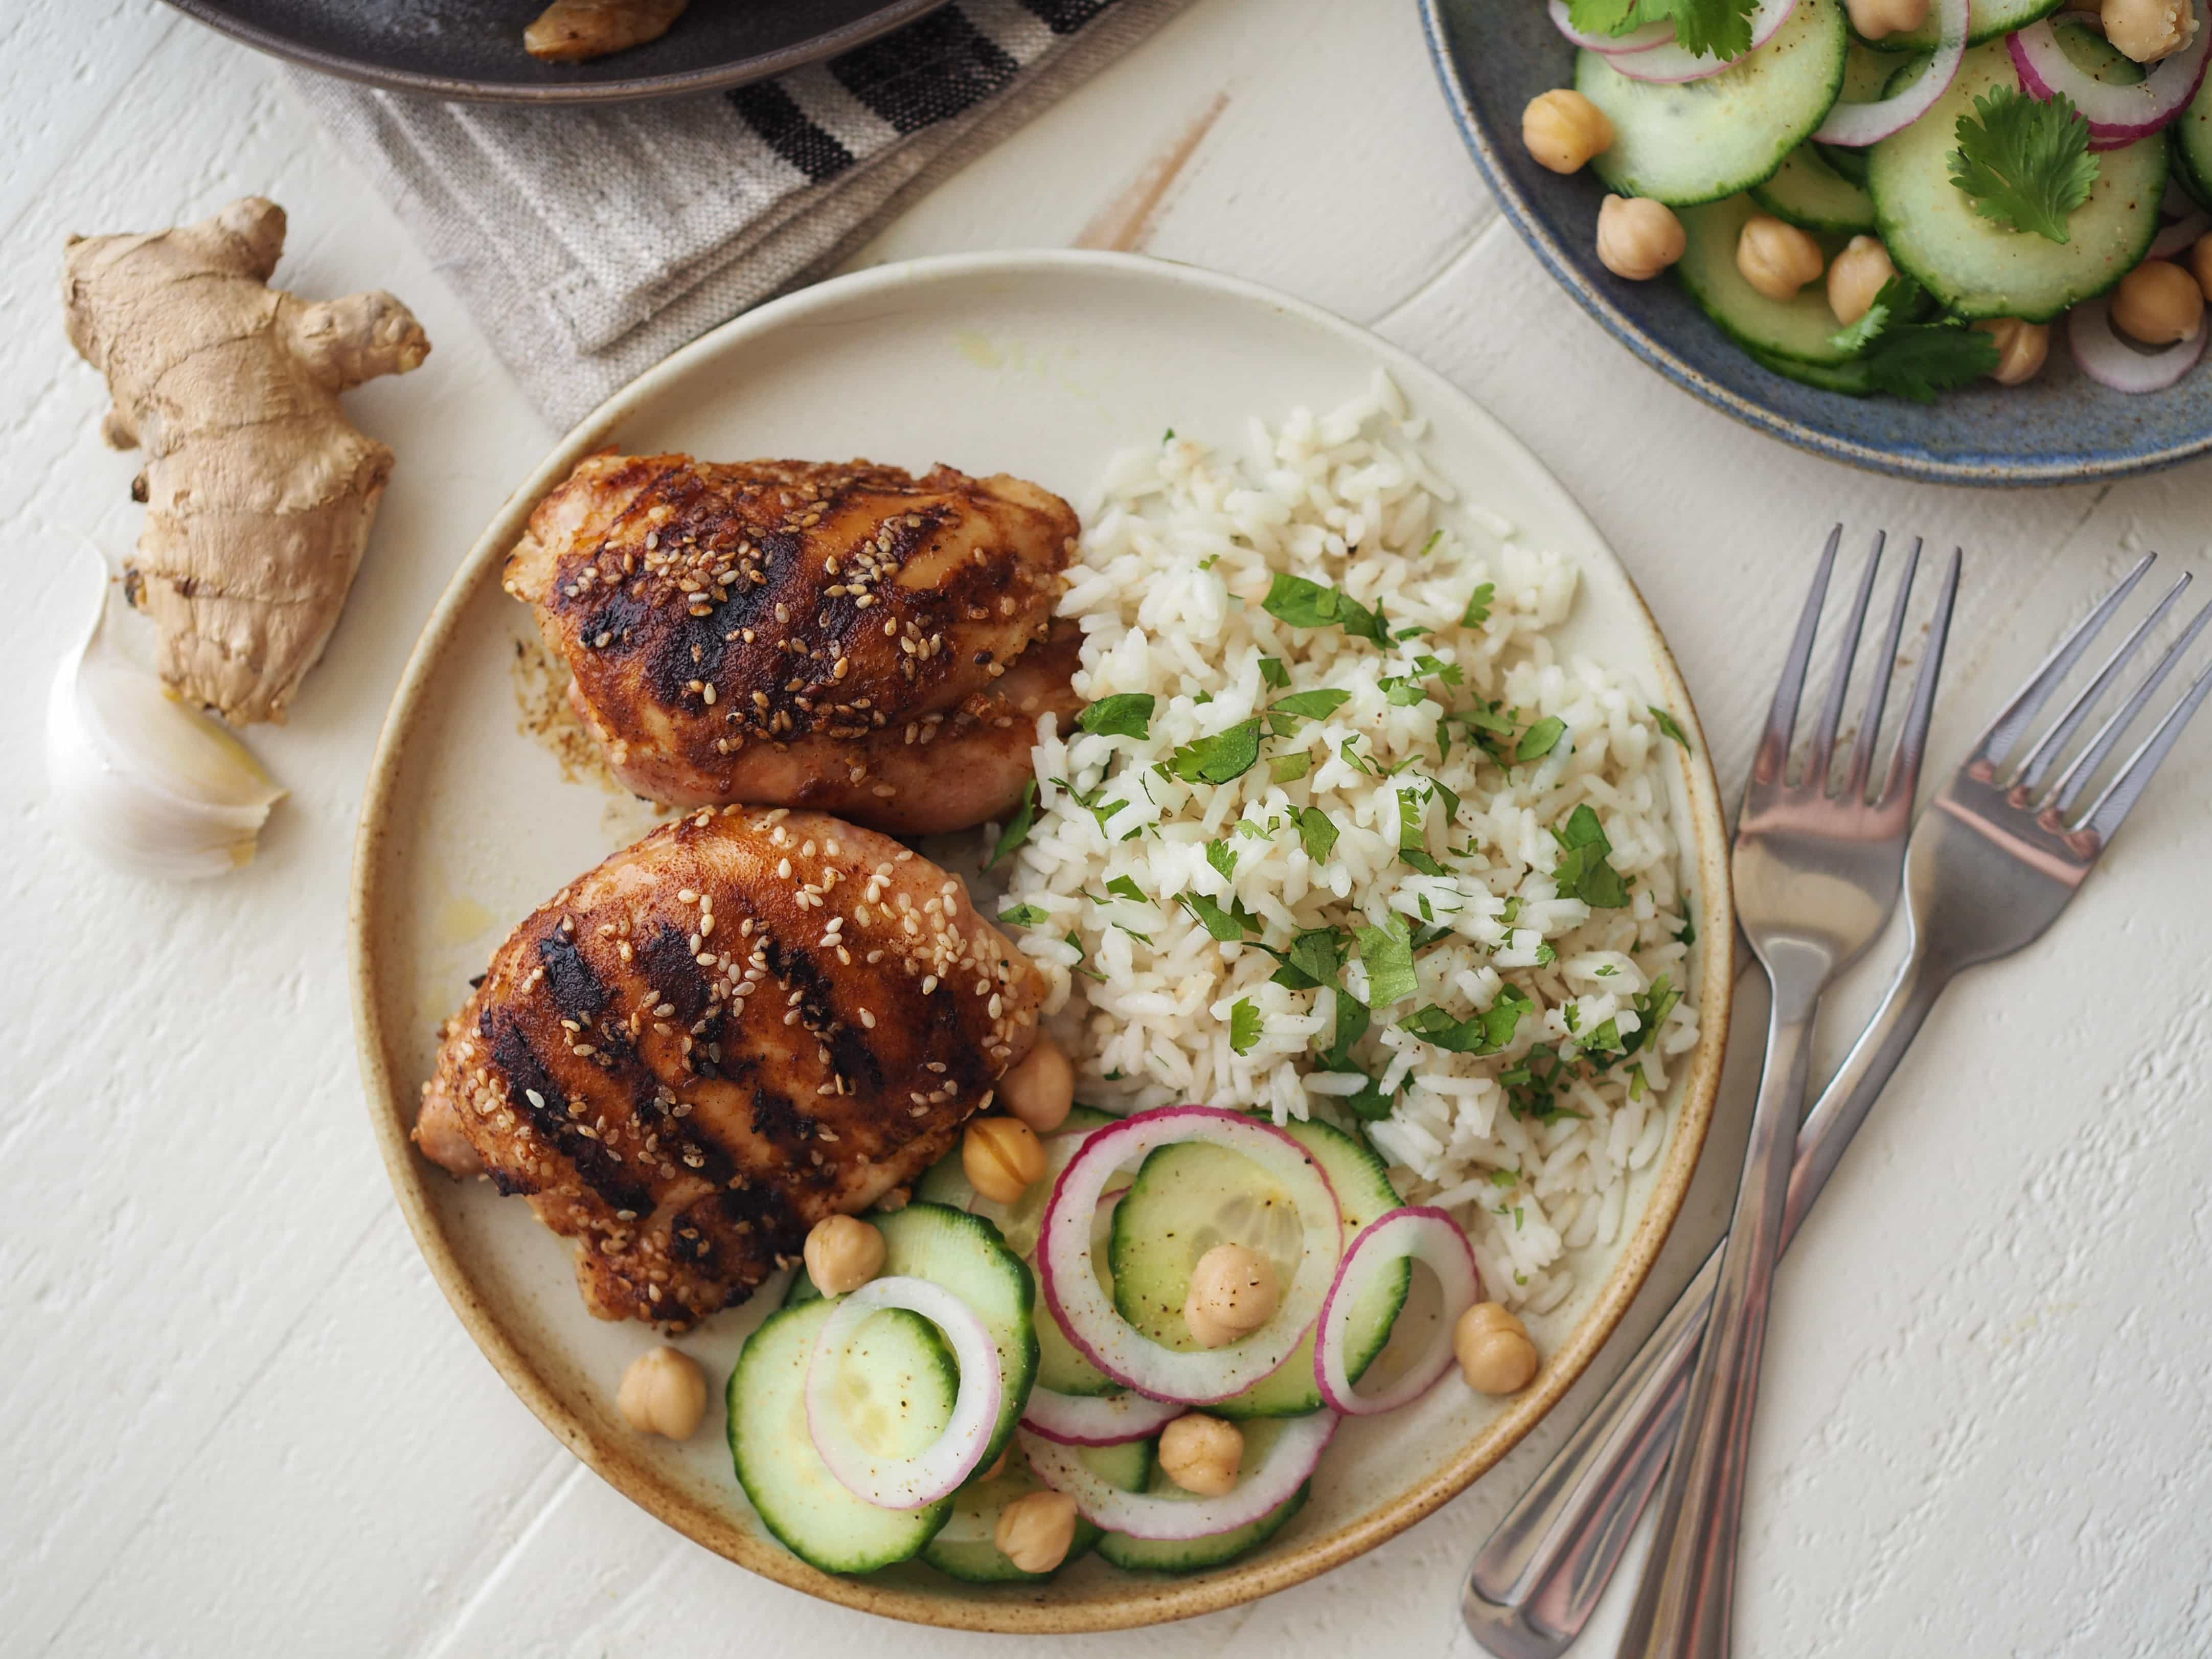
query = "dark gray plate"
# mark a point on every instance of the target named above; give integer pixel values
(1493, 57)
(473, 48)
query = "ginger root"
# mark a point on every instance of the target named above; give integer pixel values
(259, 495)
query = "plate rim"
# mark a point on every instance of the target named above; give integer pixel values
(390, 1095)
(1474, 131)
(721, 78)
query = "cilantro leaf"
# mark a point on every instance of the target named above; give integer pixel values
(1583, 872)
(1689, 934)
(1309, 705)
(1485, 1033)
(1671, 727)
(1222, 857)
(1273, 674)
(1428, 546)
(1478, 603)
(1218, 759)
(1371, 1102)
(1081, 956)
(1228, 926)
(1353, 1020)
(1722, 27)
(1303, 604)
(1316, 958)
(1919, 360)
(1388, 955)
(1124, 887)
(2026, 162)
(1244, 1026)
(1124, 714)
(1289, 768)
(1018, 827)
(1413, 837)
(1540, 739)
(1318, 832)
(1021, 915)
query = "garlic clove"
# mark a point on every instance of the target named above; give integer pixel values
(146, 782)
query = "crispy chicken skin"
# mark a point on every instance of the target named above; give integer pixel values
(846, 638)
(749, 1020)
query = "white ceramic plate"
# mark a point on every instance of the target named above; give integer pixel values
(1041, 365)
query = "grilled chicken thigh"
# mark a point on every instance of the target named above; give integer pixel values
(749, 1020)
(849, 638)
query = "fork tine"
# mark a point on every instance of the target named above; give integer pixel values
(2005, 730)
(1912, 740)
(2075, 779)
(2045, 754)
(2120, 799)
(1863, 751)
(1772, 763)
(1831, 712)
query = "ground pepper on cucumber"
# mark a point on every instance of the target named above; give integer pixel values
(1904, 196)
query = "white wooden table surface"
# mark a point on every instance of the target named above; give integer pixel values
(237, 1417)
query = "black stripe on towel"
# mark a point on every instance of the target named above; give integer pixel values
(932, 70)
(1065, 16)
(775, 115)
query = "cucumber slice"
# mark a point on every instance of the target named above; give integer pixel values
(962, 1253)
(1987, 20)
(966, 1549)
(1848, 378)
(1194, 1554)
(1866, 78)
(2192, 146)
(899, 1383)
(1979, 267)
(1192, 1196)
(1812, 195)
(1701, 140)
(1802, 329)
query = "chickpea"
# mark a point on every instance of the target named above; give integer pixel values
(1776, 258)
(1856, 278)
(1035, 1532)
(1232, 1293)
(2147, 30)
(1638, 238)
(1041, 1090)
(2158, 303)
(2200, 261)
(663, 1392)
(842, 1254)
(2021, 348)
(1002, 1156)
(1495, 1353)
(1873, 19)
(1202, 1454)
(1563, 130)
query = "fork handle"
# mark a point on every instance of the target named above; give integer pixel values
(1535, 1582)
(1685, 1599)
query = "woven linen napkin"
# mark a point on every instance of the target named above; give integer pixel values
(588, 243)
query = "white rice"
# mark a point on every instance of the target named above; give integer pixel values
(1180, 552)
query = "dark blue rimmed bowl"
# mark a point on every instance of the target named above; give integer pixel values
(1493, 56)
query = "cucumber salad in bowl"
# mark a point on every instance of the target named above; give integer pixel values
(1904, 196)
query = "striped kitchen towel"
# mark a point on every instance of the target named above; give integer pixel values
(589, 243)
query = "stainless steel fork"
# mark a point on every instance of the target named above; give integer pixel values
(1989, 867)
(1816, 873)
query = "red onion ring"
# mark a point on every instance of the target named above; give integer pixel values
(2112, 361)
(1289, 1464)
(2179, 236)
(2117, 115)
(1856, 125)
(1416, 1233)
(1087, 1311)
(1107, 1420)
(1671, 63)
(1612, 46)
(939, 1469)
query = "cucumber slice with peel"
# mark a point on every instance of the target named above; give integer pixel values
(2192, 146)
(1978, 267)
(967, 1547)
(964, 1254)
(1191, 1196)
(898, 1386)
(1698, 140)
(1802, 329)
(1195, 1554)
(1850, 377)
(1987, 20)
(1810, 194)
